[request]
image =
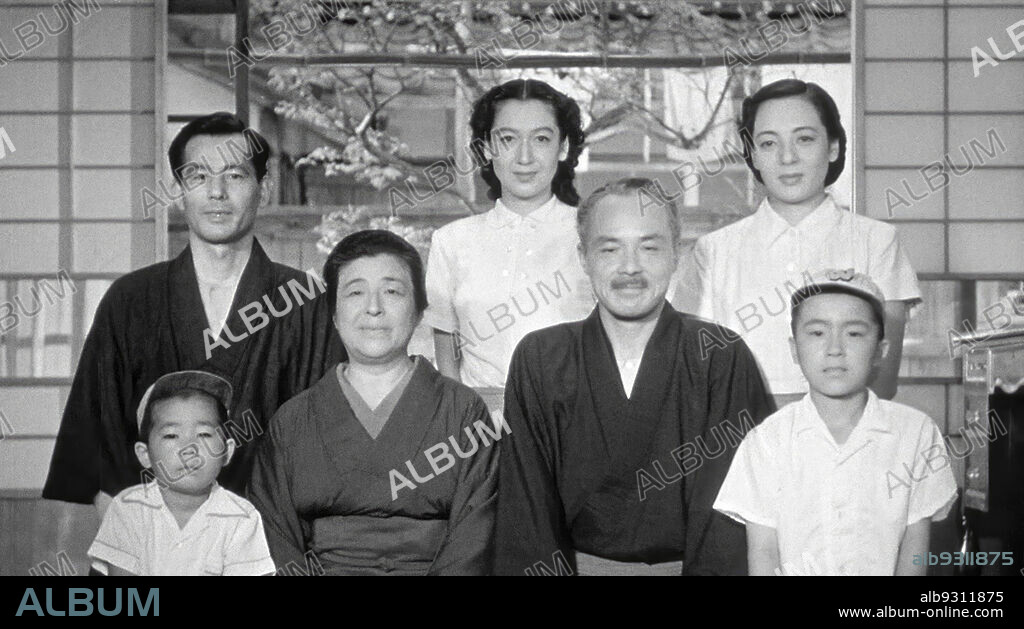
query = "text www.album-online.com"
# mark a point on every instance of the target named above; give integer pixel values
(945, 611)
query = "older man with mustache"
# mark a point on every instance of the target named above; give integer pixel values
(624, 424)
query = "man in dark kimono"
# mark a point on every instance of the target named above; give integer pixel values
(221, 305)
(623, 425)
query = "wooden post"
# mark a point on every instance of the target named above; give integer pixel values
(242, 73)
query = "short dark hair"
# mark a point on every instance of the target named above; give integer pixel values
(221, 123)
(876, 315)
(570, 126)
(816, 96)
(374, 242)
(184, 393)
(627, 186)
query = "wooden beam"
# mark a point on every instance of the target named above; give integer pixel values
(161, 169)
(200, 7)
(525, 60)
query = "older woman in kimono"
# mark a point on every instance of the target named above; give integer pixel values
(384, 466)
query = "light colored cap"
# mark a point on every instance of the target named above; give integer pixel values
(845, 281)
(203, 381)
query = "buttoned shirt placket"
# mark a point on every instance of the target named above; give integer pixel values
(523, 232)
(838, 506)
(796, 245)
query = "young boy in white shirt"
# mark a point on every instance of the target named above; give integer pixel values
(182, 522)
(840, 482)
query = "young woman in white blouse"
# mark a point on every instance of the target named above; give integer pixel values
(494, 277)
(795, 145)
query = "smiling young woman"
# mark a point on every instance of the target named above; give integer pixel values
(494, 277)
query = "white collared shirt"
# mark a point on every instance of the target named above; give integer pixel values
(840, 509)
(498, 276)
(748, 270)
(223, 537)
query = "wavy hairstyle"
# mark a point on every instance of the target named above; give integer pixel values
(570, 126)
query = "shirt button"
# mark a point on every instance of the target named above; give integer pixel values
(504, 272)
(508, 249)
(790, 268)
(522, 276)
(529, 252)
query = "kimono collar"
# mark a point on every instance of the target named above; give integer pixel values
(258, 265)
(188, 317)
(401, 437)
(665, 318)
(769, 226)
(634, 414)
(625, 430)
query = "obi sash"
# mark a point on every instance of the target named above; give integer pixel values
(367, 545)
(594, 566)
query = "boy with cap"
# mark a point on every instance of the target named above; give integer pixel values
(182, 522)
(839, 482)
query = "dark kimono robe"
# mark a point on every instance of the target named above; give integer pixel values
(627, 479)
(323, 485)
(151, 322)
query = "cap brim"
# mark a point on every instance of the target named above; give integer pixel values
(821, 288)
(203, 381)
